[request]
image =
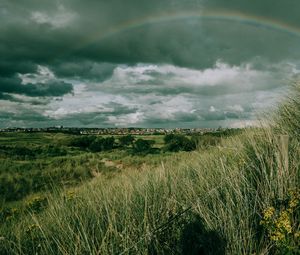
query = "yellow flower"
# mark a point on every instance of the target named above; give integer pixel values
(277, 236)
(293, 203)
(279, 222)
(283, 222)
(262, 222)
(268, 213)
(70, 195)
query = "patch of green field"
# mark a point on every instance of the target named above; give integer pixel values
(37, 162)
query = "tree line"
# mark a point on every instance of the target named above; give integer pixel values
(172, 143)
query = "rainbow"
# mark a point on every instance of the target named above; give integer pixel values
(238, 17)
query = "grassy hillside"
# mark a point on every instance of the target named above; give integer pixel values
(37, 162)
(238, 198)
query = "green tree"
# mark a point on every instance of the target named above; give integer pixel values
(96, 145)
(177, 142)
(168, 138)
(126, 140)
(108, 143)
(102, 144)
(143, 146)
(83, 141)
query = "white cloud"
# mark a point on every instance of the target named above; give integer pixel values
(165, 95)
(212, 109)
(222, 79)
(82, 102)
(126, 120)
(245, 123)
(236, 108)
(43, 75)
(159, 92)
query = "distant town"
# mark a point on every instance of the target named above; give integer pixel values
(116, 131)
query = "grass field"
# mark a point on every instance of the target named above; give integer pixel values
(38, 162)
(240, 197)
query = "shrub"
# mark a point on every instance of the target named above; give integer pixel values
(96, 145)
(143, 146)
(177, 143)
(126, 140)
(82, 142)
(102, 144)
(168, 138)
(108, 143)
(281, 223)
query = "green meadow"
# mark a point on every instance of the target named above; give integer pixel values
(222, 194)
(39, 162)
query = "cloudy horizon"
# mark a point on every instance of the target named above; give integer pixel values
(137, 63)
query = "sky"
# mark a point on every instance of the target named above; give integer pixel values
(138, 63)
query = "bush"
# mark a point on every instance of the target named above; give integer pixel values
(83, 142)
(143, 146)
(108, 143)
(102, 144)
(126, 140)
(96, 145)
(177, 143)
(168, 138)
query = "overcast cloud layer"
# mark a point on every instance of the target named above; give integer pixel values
(76, 63)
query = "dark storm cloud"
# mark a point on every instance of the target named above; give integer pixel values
(9, 68)
(8, 97)
(283, 10)
(23, 115)
(47, 37)
(84, 70)
(72, 39)
(4, 96)
(49, 89)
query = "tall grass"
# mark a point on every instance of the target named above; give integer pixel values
(204, 202)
